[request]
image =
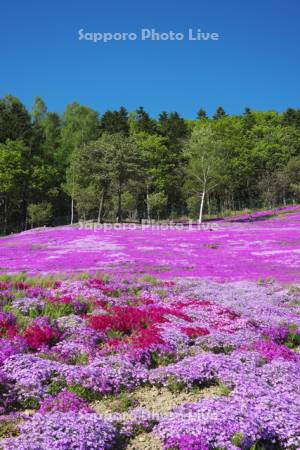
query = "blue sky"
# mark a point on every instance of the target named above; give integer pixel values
(255, 63)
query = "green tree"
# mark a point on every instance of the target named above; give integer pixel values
(143, 122)
(80, 124)
(220, 113)
(15, 121)
(91, 168)
(51, 125)
(175, 131)
(39, 213)
(123, 152)
(201, 114)
(157, 203)
(203, 169)
(39, 111)
(154, 164)
(129, 202)
(115, 122)
(291, 117)
(108, 162)
(14, 175)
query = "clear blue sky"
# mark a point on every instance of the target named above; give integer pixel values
(255, 63)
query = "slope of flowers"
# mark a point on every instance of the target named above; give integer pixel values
(248, 247)
(65, 344)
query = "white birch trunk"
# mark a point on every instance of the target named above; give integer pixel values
(201, 207)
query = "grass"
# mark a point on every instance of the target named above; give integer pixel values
(149, 279)
(232, 213)
(122, 403)
(46, 281)
(8, 429)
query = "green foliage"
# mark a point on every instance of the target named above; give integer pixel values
(224, 390)
(150, 279)
(175, 385)
(28, 403)
(129, 204)
(115, 334)
(219, 114)
(56, 386)
(115, 122)
(238, 439)
(204, 168)
(23, 321)
(39, 110)
(15, 121)
(157, 203)
(55, 169)
(81, 359)
(158, 359)
(14, 177)
(292, 339)
(56, 310)
(122, 403)
(80, 125)
(13, 168)
(201, 114)
(142, 122)
(193, 206)
(39, 213)
(85, 393)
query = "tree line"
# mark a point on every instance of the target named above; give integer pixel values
(57, 169)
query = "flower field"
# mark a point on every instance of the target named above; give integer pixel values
(174, 339)
(247, 247)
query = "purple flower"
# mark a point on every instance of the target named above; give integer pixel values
(64, 402)
(185, 442)
(270, 350)
(63, 431)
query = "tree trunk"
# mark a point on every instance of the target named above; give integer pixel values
(120, 203)
(72, 210)
(208, 203)
(201, 207)
(99, 220)
(25, 213)
(148, 205)
(72, 195)
(5, 216)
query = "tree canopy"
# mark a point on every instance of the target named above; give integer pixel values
(56, 169)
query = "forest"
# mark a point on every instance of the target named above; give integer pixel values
(128, 166)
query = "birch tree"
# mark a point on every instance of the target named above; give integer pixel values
(203, 166)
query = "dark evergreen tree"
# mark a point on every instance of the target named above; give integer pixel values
(115, 122)
(143, 122)
(15, 121)
(201, 114)
(173, 127)
(220, 113)
(291, 117)
(248, 118)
